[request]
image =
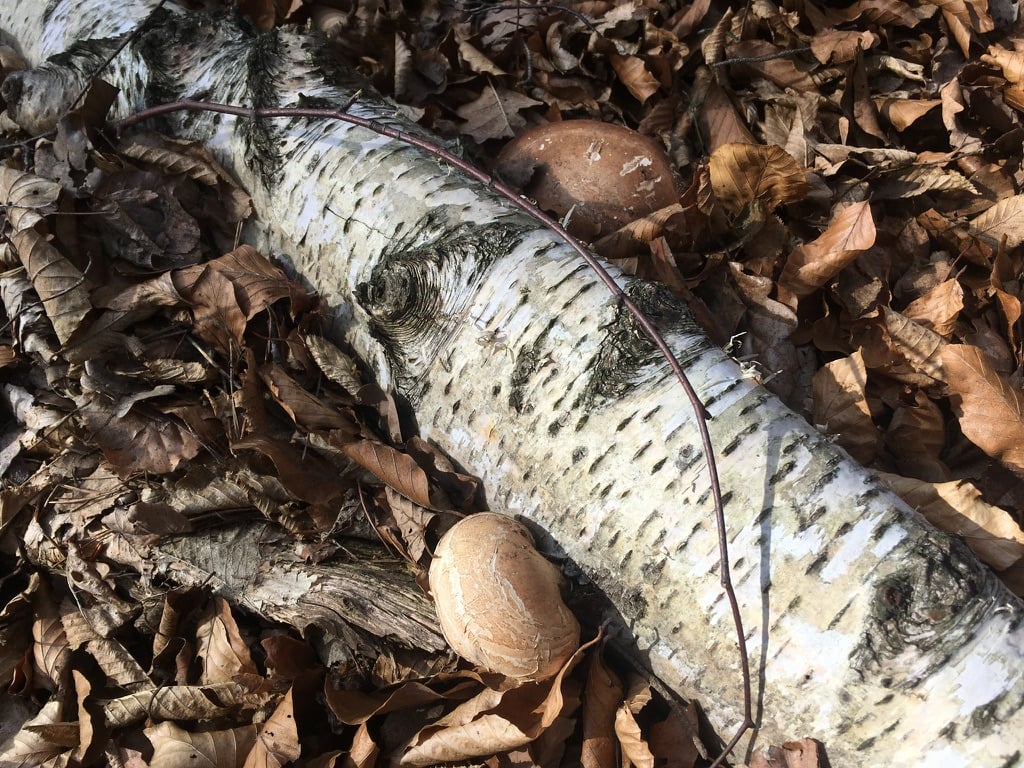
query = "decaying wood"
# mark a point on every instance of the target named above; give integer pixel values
(361, 598)
(869, 630)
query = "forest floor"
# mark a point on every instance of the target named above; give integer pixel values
(846, 218)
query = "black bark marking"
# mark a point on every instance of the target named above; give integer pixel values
(754, 405)
(651, 517)
(737, 441)
(781, 472)
(415, 296)
(642, 450)
(523, 370)
(712, 399)
(627, 355)
(658, 465)
(578, 454)
(686, 541)
(923, 610)
(839, 615)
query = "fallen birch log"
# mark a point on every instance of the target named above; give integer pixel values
(868, 630)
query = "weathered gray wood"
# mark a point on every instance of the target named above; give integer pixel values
(868, 630)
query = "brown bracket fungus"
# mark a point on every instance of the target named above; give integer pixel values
(499, 600)
(603, 176)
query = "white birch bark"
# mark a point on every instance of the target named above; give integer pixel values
(867, 629)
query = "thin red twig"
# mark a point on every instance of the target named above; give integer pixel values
(531, 210)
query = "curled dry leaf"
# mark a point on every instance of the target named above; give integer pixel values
(1011, 62)
(812, 265)
(938, 309)
(278, 741)
(60, 284)
(742, 173)
(498, 599)
(631, 740)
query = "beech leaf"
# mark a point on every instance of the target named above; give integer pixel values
(742, 173)
(812, 265)
(1005, 219)
(957, 507)
(174, 747)
(841, 408)
(397, 470)
(990, 409)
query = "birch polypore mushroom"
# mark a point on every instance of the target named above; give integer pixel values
(601, 176)
(499, 600)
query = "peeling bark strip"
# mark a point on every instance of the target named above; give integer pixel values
(873, 633)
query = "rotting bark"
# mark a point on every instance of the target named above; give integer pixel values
(868, 630)
(352, 604)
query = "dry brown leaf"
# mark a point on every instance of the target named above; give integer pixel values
(742, 173)
(397, 470)
(303, 407)
(258, 283)
(719, 119)
(919, 180)
(881, 12)
(221, 649)
(217, 317)
(957, 507)
(175, 702)
(631, 740)
(278, 740)
(990, 409)
(60, 284)
(174, 747)
(675, 741)
(355, 707)
(601, 698)
(938, 309)
(497, 720)
(917, 349)
(916, 436)
(763, 56)
(27, 198)
(903, 113)
(32, 746)
(963, 17)
(495, 113)
(412, 521)
(633, 73)
(1005, 219)
(834, 46)
(792, 754)
(1011, 62)
(812, 265)
(841, 408)
(133, 442)
(336, 365)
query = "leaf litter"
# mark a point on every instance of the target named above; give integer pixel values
(848, 214)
